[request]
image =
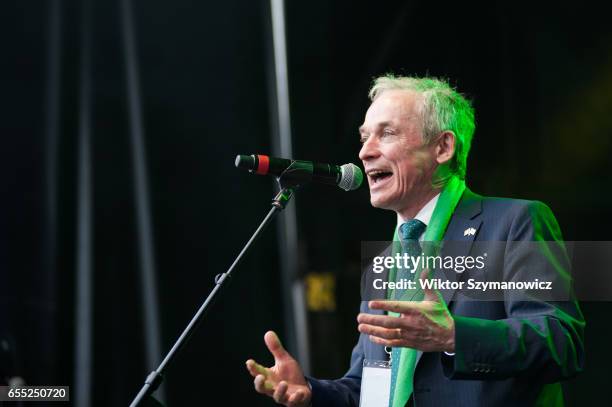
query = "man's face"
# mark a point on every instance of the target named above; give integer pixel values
(398, 165)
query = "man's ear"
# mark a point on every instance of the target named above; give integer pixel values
(445, 147)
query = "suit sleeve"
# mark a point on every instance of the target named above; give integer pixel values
(343, 392)
(539, 338)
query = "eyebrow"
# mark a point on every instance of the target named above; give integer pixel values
(379, 125)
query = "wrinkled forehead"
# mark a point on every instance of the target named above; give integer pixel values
(393, 106)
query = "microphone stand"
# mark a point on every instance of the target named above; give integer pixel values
(154, 379)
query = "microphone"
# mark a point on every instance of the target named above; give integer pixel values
(347, 176)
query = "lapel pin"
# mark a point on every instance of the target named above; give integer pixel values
(469, 232)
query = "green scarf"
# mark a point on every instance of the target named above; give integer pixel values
(449, 198)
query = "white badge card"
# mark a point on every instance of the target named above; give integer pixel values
(375, 384)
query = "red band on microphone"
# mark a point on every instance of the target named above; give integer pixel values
(263, 164)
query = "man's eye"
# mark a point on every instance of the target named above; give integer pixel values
(387, 133)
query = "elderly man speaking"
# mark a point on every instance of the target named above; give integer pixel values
(416, 137)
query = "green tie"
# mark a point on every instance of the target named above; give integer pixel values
(402, 370)
(409, 234)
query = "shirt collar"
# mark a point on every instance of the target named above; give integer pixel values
(424, 215)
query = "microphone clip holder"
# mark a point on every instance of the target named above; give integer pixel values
(287, 186)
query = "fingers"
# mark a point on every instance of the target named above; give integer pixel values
(380, 320)
(280, 394)
(395, 334)
(297, 397)
(260, 373)
(380, 332)
(391, 331)
(391, 337)
(274, 345)
(263, 386)
(255, 368)
(268, 380)
(387, 327)
(392, 343)
(400, 307)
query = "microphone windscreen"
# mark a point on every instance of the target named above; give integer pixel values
(351, 177)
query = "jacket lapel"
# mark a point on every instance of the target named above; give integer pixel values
(463, 227)
(460, 234)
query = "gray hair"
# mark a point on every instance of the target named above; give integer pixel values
(441, 108)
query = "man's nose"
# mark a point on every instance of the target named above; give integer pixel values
(369, 149)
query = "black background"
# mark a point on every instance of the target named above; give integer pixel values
(540, 76)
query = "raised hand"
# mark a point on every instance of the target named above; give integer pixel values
(424, 325)
(284, 381)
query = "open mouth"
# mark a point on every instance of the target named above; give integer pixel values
(379, 176)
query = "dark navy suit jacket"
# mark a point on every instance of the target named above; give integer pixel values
(508, 353)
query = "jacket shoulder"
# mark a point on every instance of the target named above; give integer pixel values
(524, 219)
